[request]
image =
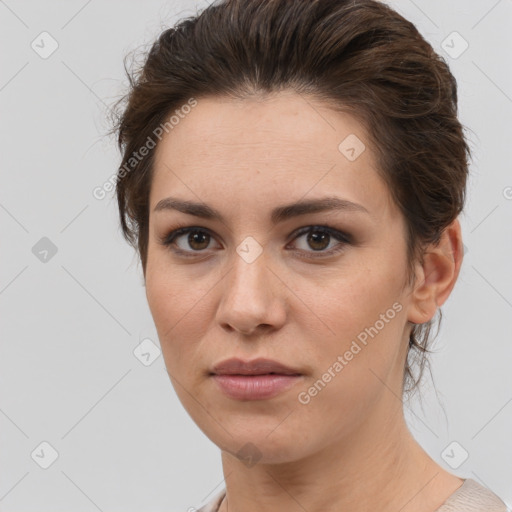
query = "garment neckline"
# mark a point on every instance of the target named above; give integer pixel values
(454, 494)
(466, 481)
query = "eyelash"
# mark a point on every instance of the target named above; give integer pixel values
(341, 237)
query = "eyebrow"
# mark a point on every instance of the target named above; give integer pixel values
(279, 214)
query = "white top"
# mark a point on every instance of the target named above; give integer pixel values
(469, 497)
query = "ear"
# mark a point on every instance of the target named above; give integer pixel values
(436, 277)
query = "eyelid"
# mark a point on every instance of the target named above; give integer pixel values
(336, 233)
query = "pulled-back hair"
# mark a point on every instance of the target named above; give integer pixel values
(358, 56)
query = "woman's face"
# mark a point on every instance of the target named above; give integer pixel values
(260, 284)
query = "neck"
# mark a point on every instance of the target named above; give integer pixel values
(380, 468)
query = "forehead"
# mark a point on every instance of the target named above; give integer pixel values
(283, 146)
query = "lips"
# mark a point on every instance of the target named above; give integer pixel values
(260, 366)
(259, 379)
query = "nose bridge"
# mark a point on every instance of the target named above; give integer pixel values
(249, 271)
(247, 295)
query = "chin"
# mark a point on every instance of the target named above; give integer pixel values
(258, 442)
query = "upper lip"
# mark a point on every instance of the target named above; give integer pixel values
(260, 366)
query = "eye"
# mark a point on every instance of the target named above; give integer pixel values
(193, 241)
(320, 238)
(183, 239)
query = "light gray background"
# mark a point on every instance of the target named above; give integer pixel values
(70, 325)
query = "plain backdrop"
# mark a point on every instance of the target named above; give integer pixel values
(78, 394)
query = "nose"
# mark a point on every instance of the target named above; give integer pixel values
(253, 297)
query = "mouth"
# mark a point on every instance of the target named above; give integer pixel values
(255, 387)
(258, 379)
(258, 366)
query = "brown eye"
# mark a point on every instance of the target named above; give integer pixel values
(318, 240)
(188, 240)
(198, 240)
(322, 240)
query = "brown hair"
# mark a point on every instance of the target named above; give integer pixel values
(358, 56)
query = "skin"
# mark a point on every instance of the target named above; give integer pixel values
(349, 448)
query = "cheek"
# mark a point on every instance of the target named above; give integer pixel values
(363, 320)
(177, 306)
(351, 365)
(172, 290)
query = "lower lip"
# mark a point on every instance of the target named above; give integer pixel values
(255, 387)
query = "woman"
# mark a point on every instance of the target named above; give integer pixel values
(292, 177)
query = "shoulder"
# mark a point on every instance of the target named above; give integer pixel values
(213, 504)
(473, 497)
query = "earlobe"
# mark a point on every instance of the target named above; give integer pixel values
(437, 275)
